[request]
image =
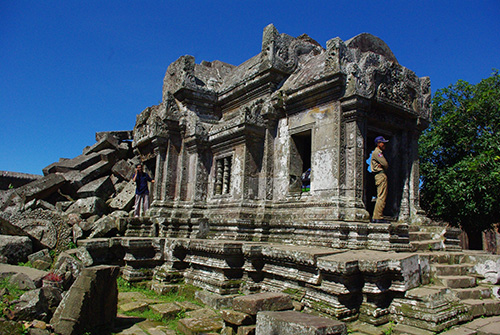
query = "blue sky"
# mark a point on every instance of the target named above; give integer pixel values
(69, 69)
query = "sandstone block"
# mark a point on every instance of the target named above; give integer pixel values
(103, 226)
(291, 322)
(87, 207)
(78, 163)
(41, 188)
(123, 169)
(167, 311)
(186, 305)
(236, 318)
(105, 142)
(102, 188)
(267, 301)
(246, 330)
(215, 300)
(195, 326)
(125, 199)
(121, 135)
(40, 255)
(22, 281)
(91, 302)
(134, 306)
(15, 249)
(202, 313)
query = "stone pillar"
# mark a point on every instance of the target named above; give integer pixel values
(160, 151)
(354, 135)
(170, 169)
(417, 215)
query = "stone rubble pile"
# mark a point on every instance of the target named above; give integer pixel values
(76, 198)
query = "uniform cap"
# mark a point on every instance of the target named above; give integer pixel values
(379, 139)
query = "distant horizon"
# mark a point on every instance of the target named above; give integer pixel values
(73, 69)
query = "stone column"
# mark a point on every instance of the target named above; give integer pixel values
(160, 151)
(354, 135)
(417, 215)
(170, 168)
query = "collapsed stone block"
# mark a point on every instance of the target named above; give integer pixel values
(91, 302)
(102, 187)
(267, 301)
(40, 255)
(103, 226)
(14, 249)
(106, 142)
(88, 206)
(291, 322)
(121, 135)
(123, 169)
(125, 199)
(41, 188)
(80, 162)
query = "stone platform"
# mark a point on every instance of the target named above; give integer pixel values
(419, 289)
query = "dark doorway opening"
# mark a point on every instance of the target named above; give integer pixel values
(300, 158)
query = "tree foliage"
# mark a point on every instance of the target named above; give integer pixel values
(460, 155)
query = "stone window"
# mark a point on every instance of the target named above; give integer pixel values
(300, 158)
(222, 175)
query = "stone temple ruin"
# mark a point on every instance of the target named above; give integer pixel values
(227, 147)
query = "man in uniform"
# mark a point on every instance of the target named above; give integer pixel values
(379, 166)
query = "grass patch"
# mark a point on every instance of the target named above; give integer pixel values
(185, 293)
(12, 292)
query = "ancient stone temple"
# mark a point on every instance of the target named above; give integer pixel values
(228, 147)
(228, 144)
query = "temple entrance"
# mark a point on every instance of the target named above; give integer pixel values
(300, 159)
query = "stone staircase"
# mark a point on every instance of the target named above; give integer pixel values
(455, 294)
(433, 238)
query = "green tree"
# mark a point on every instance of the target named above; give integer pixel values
(460, 155)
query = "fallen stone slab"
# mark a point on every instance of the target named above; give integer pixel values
(105, 142)
(134, 306)
(91, 302)
(80, 162)
(22, 281)
(14, 249)
(237, 318)
(123, 169)
(87, 207)
(10, 179)
(196, 326)
(40, 255)
(35, 275)
(46, 229)
(202, 313)
(37, 304)
(125, 199)
(267, 301)
(167, 311)
(215, 300)
(102, 188)
(103, 226)
(291, 322)
(41, 188)
(120, 135)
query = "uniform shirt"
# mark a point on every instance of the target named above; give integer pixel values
(141, 182)
(378, 161)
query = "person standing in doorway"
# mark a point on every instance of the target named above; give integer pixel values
(379, 166)
(141, 180)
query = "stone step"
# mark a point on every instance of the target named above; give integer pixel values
(457, 281)
(420, 236)
(405, 329)
(482, 307)
(473, 293)
(427, 245)
(452, 269)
